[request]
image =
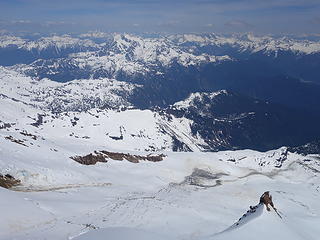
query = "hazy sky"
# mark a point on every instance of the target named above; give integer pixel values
(226, 16)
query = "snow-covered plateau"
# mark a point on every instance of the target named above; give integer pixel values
(100, 171)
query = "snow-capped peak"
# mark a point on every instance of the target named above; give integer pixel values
(7, 40)
(58, 42)
(199, 98)
(55, 41)
(252, 43)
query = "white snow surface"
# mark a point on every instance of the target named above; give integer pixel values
(77, 95)
(95, 112)
(149, 200)
(188, 195)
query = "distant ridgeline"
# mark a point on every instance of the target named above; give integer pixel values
(273, 84)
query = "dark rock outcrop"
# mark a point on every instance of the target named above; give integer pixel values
(103, 156)
(8, 181)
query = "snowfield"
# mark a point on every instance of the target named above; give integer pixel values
(76, 95)
(186, 196)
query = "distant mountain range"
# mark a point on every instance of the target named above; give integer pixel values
(91, 127)
(207, 92)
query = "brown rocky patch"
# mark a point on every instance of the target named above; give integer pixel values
(133, 158)
(102, 156)
(8, 181)
(89, 159)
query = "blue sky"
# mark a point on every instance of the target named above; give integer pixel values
(223, 16)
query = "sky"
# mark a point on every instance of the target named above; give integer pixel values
(165, 16)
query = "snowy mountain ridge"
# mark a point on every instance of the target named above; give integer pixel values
(56, 41)
(252, 43)
(198, 98)
(125, 53)
(134, 58)
(245, 42)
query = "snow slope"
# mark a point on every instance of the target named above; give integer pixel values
(158, 199)
(72, 96)
(93, 112)
(186, 196)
